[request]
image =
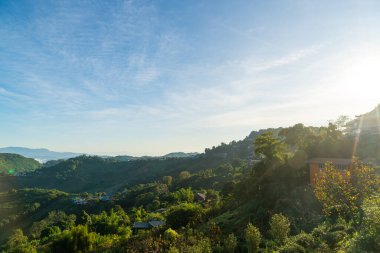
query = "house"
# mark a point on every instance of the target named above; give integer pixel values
(80, 201)
(105, 198)
(317, 165)
(200, 197)
(148, 225)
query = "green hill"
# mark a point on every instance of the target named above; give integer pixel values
(12, 164)
(94, 173)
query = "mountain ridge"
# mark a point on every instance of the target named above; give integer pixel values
(43, 155)
(39, 154)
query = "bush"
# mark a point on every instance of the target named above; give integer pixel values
(292, 247)
(230, 243)
(76, 240)
(279, 228)
(305, 240)
(202, 246)
(18, 243)
(253, 238)
(184, 214)
(170, 234)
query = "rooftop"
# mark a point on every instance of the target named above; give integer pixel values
(341, 161)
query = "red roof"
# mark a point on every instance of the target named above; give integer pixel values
(333, 160)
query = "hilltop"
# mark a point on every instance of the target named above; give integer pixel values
(14, 163)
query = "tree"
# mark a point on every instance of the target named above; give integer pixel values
(184, 175)
(18, 243)
(370, 231)
(230, 243)
(341, 122)
(342, 192)
(75, 240)
(17, 238)
(54, 218)
(49, 231)
(114, 223)
(253, 238)
(168, 180)
(272, 149)
(184, 195)
(184, 214)
(298, 136)
(171, 234)
(279, 228)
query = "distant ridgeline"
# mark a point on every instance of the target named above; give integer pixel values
(41, 154)
(94, 173)
(11, 164)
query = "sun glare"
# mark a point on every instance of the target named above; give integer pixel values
(360, 77)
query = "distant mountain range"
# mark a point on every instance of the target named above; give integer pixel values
(41, 154)
(44, 155)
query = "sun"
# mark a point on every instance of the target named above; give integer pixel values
(359, 76)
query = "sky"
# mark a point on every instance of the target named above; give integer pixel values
(153, 77)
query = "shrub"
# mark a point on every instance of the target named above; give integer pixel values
(279, 228)
(305, 240)
(170, 234)
(292, 247)
(185, 214)
(230, 243)
(253, 238)
(75, 240)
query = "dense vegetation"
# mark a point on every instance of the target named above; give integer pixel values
(257, 198)
(12, 163)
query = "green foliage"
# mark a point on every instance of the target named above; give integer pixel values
(171, 234)
(184, 195)
(55, 218)
(202, 246)
(292, 247)
(343, 192)
(75, 240)
(369, 238)
(17, 238)
(307, 241)
(330, 236)
(272, 149)
(173, 250)
(50, 231)
(12, 164)
(185, 214)
(230, 243)
(113, 223)
(18, 243)
(253, 238)
(371, 210)
(236, 193)
(168, 180)
(279, 228)
(184, 175)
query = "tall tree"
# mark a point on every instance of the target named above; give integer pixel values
(271, 148)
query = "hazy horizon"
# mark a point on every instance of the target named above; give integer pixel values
(154, 77)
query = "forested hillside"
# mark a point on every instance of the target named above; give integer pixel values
(14, 164)
(252, 195)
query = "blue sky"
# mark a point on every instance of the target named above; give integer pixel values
(150, 77)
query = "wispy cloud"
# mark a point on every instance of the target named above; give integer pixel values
(149, 70)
